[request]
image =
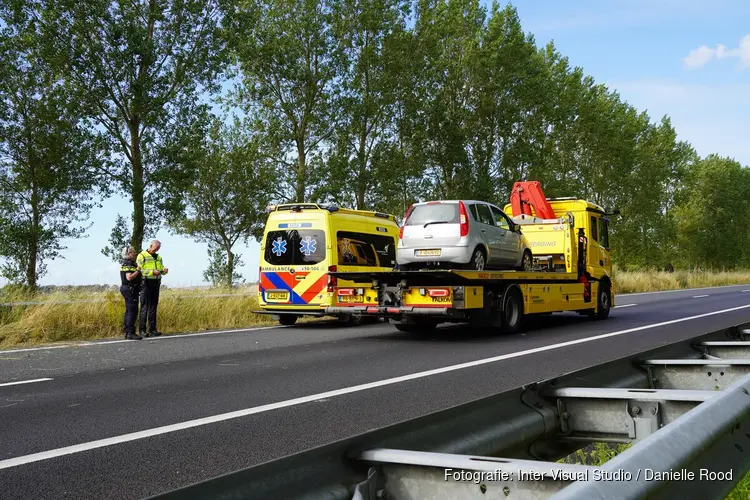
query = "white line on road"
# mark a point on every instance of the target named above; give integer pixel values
(745, 291)
(699, 296)
(719, 288)
(625, 305)
(108, 342)
(6, 384)
(157, 431)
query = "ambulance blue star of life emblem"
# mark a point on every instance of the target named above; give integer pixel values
(308, 246)
(279, 247)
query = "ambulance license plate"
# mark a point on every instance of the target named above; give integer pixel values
(277, 296)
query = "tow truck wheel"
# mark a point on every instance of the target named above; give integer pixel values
(351, 319)
(287, 319)
(417, 327)
(512, 313)
(604, 301)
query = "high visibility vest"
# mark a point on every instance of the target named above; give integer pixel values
(148, 264)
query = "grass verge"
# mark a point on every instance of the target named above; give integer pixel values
(101, 316)
(599, 453)
(659, 281)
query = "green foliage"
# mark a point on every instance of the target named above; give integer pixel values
(226, 201)
(137, 69)
(48, 160)
(595, 454)
(285, 52)
(221, 268)
(711, 214)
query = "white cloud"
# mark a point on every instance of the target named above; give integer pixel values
(697, 58)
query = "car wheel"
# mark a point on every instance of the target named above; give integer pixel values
(478, 261)
(423, 327)
(287, 319)
(527, 263)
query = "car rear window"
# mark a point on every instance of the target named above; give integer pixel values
(293, 247)
(439, 212)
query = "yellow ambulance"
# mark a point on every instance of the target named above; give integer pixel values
(304, 242)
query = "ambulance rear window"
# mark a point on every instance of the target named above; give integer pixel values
(294, 247)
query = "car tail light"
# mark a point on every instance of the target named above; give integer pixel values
(406, 217)
(438, 292)
(464, 218)
(332, 280)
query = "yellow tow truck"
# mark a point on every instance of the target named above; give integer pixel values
(572, 271)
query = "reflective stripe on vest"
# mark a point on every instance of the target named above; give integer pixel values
(148, 264)
(128, 269)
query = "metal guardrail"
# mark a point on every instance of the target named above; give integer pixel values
(685, 407)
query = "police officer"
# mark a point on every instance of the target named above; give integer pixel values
(130, 287)
(151, 266)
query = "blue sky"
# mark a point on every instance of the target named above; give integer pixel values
(684, 58)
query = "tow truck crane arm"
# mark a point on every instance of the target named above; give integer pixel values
(528, 194)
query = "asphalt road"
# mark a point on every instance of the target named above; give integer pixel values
(117, 419)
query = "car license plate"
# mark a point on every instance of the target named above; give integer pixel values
(350, 299)
(277, 296)
(428, 253)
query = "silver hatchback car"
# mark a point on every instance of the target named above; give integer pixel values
(464, 234)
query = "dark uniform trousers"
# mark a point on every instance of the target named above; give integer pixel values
(130, 293)
(149, 303)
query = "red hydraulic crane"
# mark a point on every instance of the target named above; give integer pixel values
(527, 195)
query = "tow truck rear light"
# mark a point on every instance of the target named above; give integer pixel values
(346, 291)
(438, 292)
(464, 218)
(332, 280)
(406, 217)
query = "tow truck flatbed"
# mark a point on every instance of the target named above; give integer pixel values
(455, 277)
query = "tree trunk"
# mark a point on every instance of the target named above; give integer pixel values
(33, 241)
(137, 189)
(230, 267)
(301, 172)
(362, 161)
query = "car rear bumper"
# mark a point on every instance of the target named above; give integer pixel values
(458, 255)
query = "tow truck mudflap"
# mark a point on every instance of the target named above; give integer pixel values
(389, 311)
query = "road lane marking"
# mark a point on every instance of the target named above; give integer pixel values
(743, 291)
(681, 290)
(21, 382)
(699, 296)
(164, 337)
(625, 305)
(157, 431)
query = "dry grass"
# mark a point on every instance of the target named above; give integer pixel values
(52, 319)
(179, 311)
(644, 281)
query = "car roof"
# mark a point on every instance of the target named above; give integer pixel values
(454, 201)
